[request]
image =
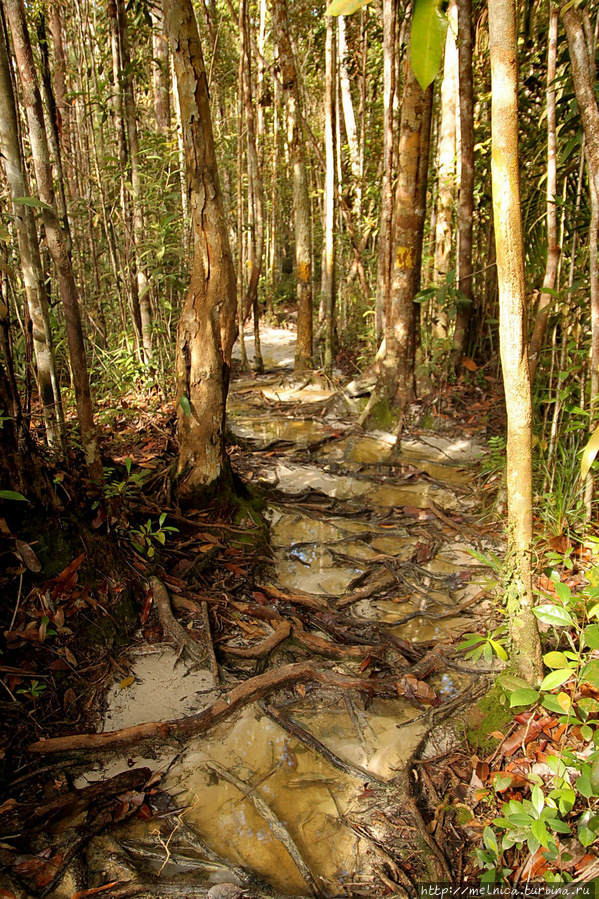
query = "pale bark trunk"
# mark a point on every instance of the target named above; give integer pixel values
(526, 654)
(466, 195)
(582, 75)
(329, 242)
(31, 265)
(349, 118)
(207, 325)
(136, 187)
(301, 198)
(397, 366)
(255, 188)
(446, 162)
(54, 235)
(553, 248)
(63, 105)
(160, 72)
(386, 223)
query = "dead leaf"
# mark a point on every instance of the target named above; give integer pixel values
(69, 698)
(469, 364)
(126, 682)
(28, 556)
(417, 691)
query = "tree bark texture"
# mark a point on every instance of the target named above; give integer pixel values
(583, 77)
(329, 196)
(160, 72)
(526, 654)
(349, 118)
(553, 248)
(383, 280)
(466, 191)
(31, 265)
(447, 157)
(301, 197)
(207, 325)
(397, 366)
(54, 236)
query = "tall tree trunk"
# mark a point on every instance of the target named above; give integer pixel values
(160, 72)
(446, 163)
(526, 656)
(31, 265)
(54, 235)
(255, 188)
(349, 119)
(553, 248)
(385, 243)
(466, 196)
(136, 188)
(397, 365)
(301, 197)
(63, 105)
(583, 77)
(207, 324)
(329, 197)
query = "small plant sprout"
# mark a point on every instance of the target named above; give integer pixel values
(488, 647)
(147, 535)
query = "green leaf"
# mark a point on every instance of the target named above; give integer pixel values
(551, 703)
(523, 696)
(490, 841)
(556, 679)
(31, 201)
(185, 405)
(499, 650)
(12, 494)
(589, 453)
(590, 673)
(510, 683)
(345, 7)
(427, 43)
(584, 785)
(537, 799)
(555, 660)
(587, 828)
(555, 615)
(591, 636)
(563, 592)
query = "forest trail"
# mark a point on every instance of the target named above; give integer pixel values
(366, 589)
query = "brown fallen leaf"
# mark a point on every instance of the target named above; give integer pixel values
(28, 556)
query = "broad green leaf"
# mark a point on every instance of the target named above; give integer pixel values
(427, 42)
(345, 7)
(12, 494)
(591, 636)
(594, 777)
(556, 679)
(555, 615)
(490, 840)
(509, 682)
(588, 827)
(538, 799)
(552, 704)
(555, 660)
(185, 405)
(31, 201)
(563, 592)
(584, 785)
(523, 696)
(589, 453)
(590, 673)
(499, 650)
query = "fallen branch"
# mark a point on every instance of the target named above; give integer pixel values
(414, 690)
(275, 825)
(171, 626)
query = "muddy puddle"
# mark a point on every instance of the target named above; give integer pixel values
(249, 792)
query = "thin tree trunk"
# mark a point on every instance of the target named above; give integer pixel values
(31, 265)
(63, 105)
(329, 241)
(446, 163)
(385, 242)
(255, 189)
(397, 366)
(466, 196)
(526, 655)
(207, 324)
(553, 247)
(54, 235)
(301, 198)
(349, 119)
(160, 72)
(136, 187)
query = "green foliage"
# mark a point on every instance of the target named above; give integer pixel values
(567, 803)
(488, 647)
(147, 535)
(427, 42)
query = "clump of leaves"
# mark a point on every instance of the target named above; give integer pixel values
(147, 535)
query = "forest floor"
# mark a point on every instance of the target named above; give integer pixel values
(269, 698)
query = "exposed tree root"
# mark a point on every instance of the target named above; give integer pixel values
(171, 626)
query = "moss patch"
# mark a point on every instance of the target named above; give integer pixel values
(490, 714)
